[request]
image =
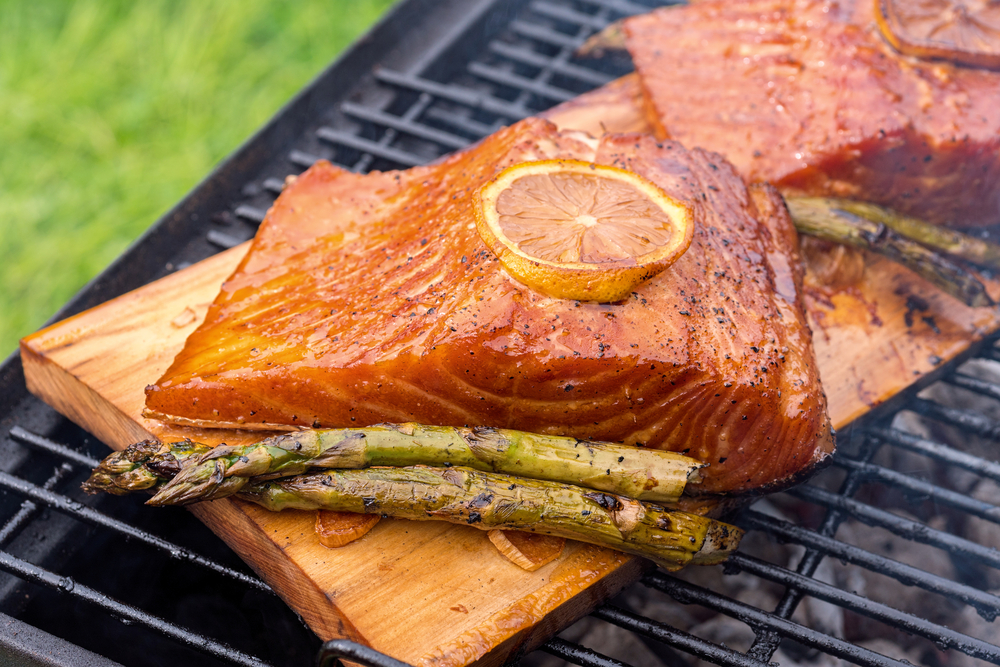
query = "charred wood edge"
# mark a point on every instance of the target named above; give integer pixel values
(825, 219)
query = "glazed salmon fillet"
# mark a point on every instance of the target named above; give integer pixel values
(806, 94)
(371, 298)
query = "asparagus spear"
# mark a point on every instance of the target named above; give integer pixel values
(214, 473)
(609, 40)
(485, 500)
(143, 465)
(824, 219)
(977, 251)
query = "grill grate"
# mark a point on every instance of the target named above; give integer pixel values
(909, 476)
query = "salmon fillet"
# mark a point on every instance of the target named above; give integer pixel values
(806, 94)
(371, 298)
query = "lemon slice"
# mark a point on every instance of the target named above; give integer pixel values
(963, 31)
(576, 230)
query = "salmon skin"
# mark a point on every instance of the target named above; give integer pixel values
(371, 298)
(806, 94)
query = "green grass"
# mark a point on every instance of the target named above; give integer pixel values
(110, 111)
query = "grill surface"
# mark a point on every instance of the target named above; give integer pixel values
(908, 512)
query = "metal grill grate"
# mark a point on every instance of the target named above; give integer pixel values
(898, 539)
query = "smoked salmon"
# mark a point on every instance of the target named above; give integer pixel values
(372, 298)
(808, 95)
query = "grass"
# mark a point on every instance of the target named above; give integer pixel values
(111, 110)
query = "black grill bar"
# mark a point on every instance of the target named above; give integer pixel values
(987, 604)
(423, 101)
(223, 240)
(343, 648)
(545, 35)
(370, 114)
(29, 509)
(940, 635)
(664, 633)
(374, 148)
(975, 384)
(579, 655)
(540, 84)
(303, 159)
(561, 13)
(963, 419)
(911, 530)
(939, 451)
(757, 619)
(623, 7)
(89, 515)
(468, 125)
(921, 488)
(541, 36)
(36, 441)
(125, 613)
(528, 57)
(250, 213)
(274, 185)
(514, 81)
(464, 96)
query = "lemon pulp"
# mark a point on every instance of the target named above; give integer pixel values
(576, 230)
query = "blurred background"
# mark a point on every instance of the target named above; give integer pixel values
(111, 110)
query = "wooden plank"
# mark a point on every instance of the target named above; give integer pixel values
(469, 603)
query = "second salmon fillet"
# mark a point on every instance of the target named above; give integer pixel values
(808, 95)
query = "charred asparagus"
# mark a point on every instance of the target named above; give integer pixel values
(488, 500)
(825, 219)
(203, 473)
(141, 466)
(957, 244)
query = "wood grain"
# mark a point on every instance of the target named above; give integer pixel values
(469, 603)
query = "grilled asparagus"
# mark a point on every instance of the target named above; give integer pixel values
(957, 244)
(488, 500)
(199, 472)
(825, 219)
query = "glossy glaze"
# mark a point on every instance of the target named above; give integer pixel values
(807, 94)
(372, 298)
